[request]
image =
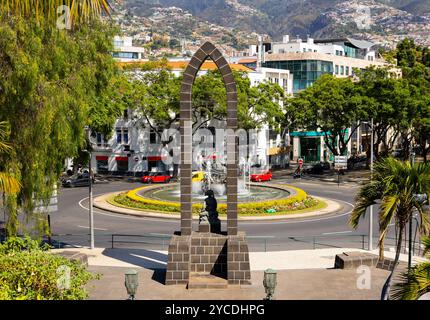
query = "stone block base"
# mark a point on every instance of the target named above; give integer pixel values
(205, 254)
(350, 260)
(178, 260)
(238, 268)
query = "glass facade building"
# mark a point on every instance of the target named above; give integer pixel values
(305, 72)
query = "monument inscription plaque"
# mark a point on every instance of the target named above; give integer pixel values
(216, 254)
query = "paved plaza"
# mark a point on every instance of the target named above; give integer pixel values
(302, 274)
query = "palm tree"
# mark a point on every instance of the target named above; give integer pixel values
(415, 283)
(395, 184)
(8, 184)
(80, 10)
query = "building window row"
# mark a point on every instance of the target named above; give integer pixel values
(342, 70)
(126, 55)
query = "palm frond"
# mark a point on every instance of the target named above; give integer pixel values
(80, 10)
(9, 184)
(413, 284)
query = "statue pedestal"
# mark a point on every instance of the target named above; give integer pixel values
(208, 254)
(211, 226)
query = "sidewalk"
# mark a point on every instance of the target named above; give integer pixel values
(302, 274)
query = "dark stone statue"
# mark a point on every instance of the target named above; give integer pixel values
(209, 216)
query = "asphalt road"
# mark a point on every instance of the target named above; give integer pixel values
(319, 232)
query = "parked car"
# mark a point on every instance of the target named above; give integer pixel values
(198, 176)
(263, 176)
(78, 180)
(157, 177)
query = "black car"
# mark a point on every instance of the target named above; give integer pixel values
(78, 180)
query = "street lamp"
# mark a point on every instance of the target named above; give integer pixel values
(90, 191)
(269, 283)
(131, 283)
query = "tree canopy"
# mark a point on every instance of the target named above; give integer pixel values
(54, 82)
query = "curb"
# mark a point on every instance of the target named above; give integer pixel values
(101, 203)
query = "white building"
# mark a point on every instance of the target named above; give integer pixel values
(134, 148)
(124, 50)
(307, 61)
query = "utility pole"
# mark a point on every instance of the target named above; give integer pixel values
(371, 177)
(412, 154)
(90, 189)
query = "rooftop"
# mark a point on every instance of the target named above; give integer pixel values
(181, 65)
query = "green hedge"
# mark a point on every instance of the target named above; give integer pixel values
(31, 272)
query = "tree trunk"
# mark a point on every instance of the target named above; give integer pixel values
(385, 295)
(381, 251)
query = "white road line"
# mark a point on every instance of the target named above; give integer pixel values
(339, 232)
(147, 258)
(119, 216)
(86, 227)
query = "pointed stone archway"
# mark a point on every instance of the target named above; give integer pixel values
(208, 50)
(208, 260)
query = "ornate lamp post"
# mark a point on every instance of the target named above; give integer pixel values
(131, 283)
(270, 283)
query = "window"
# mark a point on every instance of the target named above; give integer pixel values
(118, 43)
(336, 68)
(347, 71)
(100, 139)
(102, 166)
(122, 165)
(342, 70)
(126, 55)
(304, 49)
(122, 136)
(153, 137)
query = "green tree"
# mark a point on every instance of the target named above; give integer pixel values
(415, 283)
(53, 84)
(392, 103)
(331, 105)
(394, 184)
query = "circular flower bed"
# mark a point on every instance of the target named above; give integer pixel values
(300, 201)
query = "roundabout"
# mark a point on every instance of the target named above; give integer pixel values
(275, 202)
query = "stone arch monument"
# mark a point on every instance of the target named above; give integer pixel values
(205, 259)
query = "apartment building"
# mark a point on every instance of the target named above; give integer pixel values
(307, 61)
(124, 50)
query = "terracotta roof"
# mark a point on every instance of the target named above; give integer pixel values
(249, 60)
(181, 65)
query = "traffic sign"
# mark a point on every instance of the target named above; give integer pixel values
(340, 162)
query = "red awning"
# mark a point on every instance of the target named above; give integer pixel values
(155, 158)
(121, 158)
(102, 158)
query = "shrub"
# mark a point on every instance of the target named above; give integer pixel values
(298, 201)
(31, 272)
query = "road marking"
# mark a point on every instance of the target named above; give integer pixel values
(122, 216)
(86, 227)
(147, 258)
(338, 232)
